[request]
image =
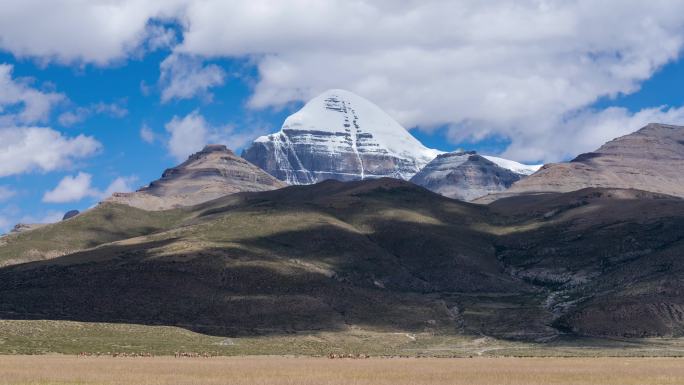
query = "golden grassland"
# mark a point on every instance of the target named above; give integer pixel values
(60, 369)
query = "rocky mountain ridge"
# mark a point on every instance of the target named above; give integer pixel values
(211, 173)
(465, 176)
(650, 159)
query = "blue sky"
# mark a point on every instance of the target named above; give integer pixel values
(124, 153)
(537, 102)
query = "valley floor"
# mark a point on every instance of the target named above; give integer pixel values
(90, 339)
(63, 370)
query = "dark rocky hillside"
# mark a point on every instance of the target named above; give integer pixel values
(379, 254)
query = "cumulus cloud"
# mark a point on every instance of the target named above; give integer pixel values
(184, 77)
(24, 149)
(78, 187)
(192, 132)
(80, 114)
(485, 68)
(71, 189)
(188, 135)
(159, 37)
(585, 131)
(69, 118)
(97, 31)
(33, 105)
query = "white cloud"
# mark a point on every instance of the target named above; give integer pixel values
(511, 69)
(78, 187)
(188, 135)
(69, 118)
(184, 77)
(192, 132)
(80, 114)
(494, 67)
(587, 130)
(6, 193)
(33, 105)
(159, 37)
(68, 31)
(120, 184)
(24, 149)
(71, 189)
(147, 135)
(111, 109)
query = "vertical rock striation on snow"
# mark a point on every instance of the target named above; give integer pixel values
(339, 135)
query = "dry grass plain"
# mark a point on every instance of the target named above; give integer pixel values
(62, 370)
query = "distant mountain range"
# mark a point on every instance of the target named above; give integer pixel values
(340, 135)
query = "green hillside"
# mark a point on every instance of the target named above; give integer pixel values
(105, 223)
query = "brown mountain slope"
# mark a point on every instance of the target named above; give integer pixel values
(382, 255)
(209, 174)
(651, 159)
(610, 259)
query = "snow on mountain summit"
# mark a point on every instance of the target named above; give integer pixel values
(339, 110)
(339, 135)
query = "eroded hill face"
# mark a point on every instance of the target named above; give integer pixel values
(465, 176)
(382, 255)
(209, 174)
(651, 159)
(610, 259)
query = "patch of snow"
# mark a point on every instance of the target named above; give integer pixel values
(516, 167)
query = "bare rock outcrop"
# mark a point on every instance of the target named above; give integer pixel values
(209, 174)
(465, 176)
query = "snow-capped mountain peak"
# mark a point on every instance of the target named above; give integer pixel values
(339, 135)
(339, 110)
